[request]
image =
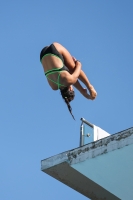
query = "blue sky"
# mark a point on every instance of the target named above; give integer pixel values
(35, 123)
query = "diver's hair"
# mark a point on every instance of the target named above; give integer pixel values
(66, 94)
(69, 107)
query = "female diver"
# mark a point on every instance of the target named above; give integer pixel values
(62, 71)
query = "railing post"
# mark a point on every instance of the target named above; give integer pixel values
(82, 134)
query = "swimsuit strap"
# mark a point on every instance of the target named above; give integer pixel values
(57, 83)
(53, 70)
(58, 80)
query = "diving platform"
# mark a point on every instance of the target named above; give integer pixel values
(99, 169)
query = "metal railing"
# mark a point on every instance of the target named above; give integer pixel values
(82, 134)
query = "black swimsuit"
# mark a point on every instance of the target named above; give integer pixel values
(51, 50)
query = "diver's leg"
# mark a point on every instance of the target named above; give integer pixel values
(84, 79)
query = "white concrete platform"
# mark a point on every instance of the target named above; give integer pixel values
(99, 170)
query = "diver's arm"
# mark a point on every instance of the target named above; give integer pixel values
(72, 78)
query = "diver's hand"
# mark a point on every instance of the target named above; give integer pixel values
(74, 59)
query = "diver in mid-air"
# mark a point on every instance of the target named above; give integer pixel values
(62, 71)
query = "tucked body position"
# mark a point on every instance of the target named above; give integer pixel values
(63, 71)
